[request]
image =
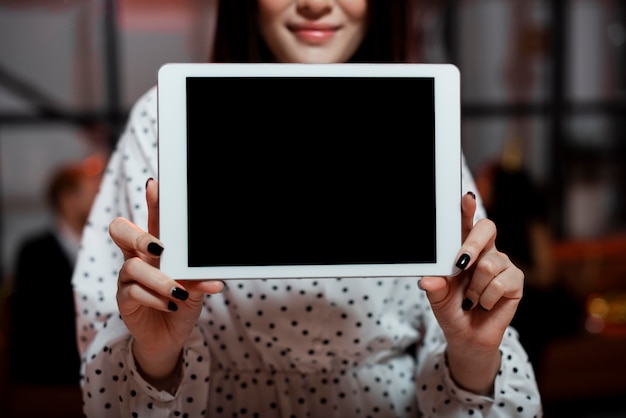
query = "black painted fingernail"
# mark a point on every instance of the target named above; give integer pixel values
(148, 181)
(179, 293)
(463, 261)
(224, 288)
(471, 193)
(419, 284)
(172, 306)
(467, 304)
(154, 248)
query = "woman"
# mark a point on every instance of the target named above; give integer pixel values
(290, 348)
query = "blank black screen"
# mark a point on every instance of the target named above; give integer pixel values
(308, 171)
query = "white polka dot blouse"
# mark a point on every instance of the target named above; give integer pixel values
(274, 348)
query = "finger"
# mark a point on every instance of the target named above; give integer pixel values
(135, 272)
(468, 210)
(436, 288)
(487, 273)
(134, 241)
(481, 238)
(152, 200)
(148, 276)
(204, 286)
(133, 295)
(509, 284)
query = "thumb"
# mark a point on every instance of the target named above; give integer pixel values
(152, 200)
(436, 288)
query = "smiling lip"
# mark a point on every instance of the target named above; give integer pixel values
(312, 33)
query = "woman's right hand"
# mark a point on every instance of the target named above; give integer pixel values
(159, 312)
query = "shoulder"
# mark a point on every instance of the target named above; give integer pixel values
(134, 160)
(43, 247)
(145, 106)
(139, 140)
(37, 240)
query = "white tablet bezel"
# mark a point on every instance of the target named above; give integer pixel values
(173, 168)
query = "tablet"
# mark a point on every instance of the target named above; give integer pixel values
(309, 170)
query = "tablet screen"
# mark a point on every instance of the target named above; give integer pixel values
(309, 171)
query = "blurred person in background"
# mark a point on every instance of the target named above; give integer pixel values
(41, 302)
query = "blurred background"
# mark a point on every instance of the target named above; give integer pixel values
(543, 130)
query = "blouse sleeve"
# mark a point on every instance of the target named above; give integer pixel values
(111, 385)
(515, 391)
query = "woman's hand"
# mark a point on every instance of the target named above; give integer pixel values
(475, 307)
(159, 312)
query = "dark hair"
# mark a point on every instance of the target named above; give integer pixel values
(65, 179)
(238, 39)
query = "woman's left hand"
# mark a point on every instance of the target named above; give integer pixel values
(475, 306)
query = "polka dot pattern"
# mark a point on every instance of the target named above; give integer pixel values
(282, 348)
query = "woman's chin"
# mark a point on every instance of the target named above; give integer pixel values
(317, 55)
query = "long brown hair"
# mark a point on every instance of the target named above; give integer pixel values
(389, 38)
